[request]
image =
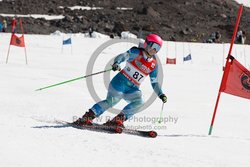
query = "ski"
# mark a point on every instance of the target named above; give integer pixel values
(110, 129)
(94, 127)
(142, 133)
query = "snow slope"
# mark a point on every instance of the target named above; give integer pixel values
(28, 139)
(244, 2)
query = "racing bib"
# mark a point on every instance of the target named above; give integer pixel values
(138, 69)
(133, 74)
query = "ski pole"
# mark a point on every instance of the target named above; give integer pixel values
(73, 80)
(161, 118)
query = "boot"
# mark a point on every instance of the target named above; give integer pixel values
(117, 121)
(86, 119)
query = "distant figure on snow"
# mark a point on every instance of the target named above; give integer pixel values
(4, 25)
(215, 37)
(90, 31)
(13, 24)
(1, 27)
(241, 37)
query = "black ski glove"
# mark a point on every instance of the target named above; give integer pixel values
(116, 67)
(164, 98)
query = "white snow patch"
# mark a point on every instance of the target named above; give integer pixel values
(46, 17)
(123, 8)
(83, 7)
(127, 35)
(244, 2)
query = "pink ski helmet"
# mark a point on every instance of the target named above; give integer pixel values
(154, 41)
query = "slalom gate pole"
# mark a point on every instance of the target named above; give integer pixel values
(7, 58)
(73, 80)
(229, 54)
(21, 25)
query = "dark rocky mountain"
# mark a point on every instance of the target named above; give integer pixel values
(180, 20)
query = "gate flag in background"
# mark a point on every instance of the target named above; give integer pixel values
(67, 41)
(171, 61)
(17, 41)
(236, 80)
(187, 58)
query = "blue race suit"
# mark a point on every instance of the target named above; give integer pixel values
(121, 87)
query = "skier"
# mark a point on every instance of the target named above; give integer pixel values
(4, 25)
(91, 31)
(241, 37)
(140, 62)
(1, 27)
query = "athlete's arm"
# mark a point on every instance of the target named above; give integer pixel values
(130, 54)
(154, 81)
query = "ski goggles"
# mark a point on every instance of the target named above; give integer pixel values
(154, 45)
